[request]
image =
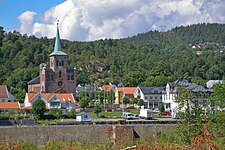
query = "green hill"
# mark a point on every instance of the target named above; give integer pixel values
(152, 58)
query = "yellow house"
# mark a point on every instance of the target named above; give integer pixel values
(121, 92)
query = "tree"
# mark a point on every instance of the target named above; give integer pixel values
(56, 112)
(140, 102)
(126, 100)
(217, 119)
(83, 103)
(191, 114)
(161, 107)
(97, 110)
(38, 109)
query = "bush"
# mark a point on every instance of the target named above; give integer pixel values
(57, 113)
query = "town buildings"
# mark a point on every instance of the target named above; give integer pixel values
(171, 91)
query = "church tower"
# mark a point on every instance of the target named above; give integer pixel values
(57, 78)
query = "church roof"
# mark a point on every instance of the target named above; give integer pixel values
(3, 91)
(35, 80)
(57, 49)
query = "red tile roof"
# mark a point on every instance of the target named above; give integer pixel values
(62, 96)
(106, 87)
(3, 91)
(127, 90)
(9, 105)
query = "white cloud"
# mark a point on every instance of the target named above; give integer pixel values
(96, 19)
(26, 20)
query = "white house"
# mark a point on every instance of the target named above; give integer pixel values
(152, 96)
(5, 95)
(171, 91)
(52, 100)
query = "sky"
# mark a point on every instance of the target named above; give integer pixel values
(88, 20)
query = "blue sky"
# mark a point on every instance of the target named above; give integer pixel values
(88, 20)
(11, 9)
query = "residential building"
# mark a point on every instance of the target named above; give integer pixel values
(52, 100)
(5, 95)
(121, 92)
(108, 88)
(9, 107)
(152, 96)
(171, 91)
(55, 77)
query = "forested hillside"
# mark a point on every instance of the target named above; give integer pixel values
(148, 59)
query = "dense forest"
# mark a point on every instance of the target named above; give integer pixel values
(195, 52)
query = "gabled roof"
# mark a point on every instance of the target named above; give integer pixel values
(107, 87)
(151, 90)
(9, 105)
(64, 97)
(35, 80)
(127, 90)
(190, 86)
(3, 91)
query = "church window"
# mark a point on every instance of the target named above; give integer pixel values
(72, 77)
(52, 77)
(60, 74)
(68, 77)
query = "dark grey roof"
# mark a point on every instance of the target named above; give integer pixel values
(190, 86)
(151, 90)
(35, 80)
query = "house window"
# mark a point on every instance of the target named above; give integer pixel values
(150, 97)
(3, 100)
(156, 97)
(155, 91)
(62, 63)
(146, 97)
(55, 104)
(57, 63)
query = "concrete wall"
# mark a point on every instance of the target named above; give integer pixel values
(83, 133)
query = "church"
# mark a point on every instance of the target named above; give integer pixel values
(54, 77)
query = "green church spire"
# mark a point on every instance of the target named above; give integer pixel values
(57, 49)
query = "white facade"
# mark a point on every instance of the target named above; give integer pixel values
(170, 93)
(59, 100)
(152, 96)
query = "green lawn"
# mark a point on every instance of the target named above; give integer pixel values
(115, 114)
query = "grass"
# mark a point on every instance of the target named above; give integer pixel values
(113, 114)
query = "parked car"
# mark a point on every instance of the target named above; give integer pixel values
(127, 115)
(135, 116)
(165, 113)
(156, 111)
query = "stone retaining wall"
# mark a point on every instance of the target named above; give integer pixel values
(83, 133)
